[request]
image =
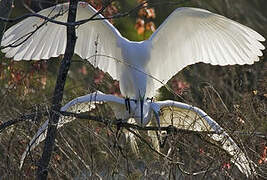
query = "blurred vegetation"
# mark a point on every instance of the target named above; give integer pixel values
(26, 86)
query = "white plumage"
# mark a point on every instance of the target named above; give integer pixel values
(187, 36)
(79, 105)
(180, 115)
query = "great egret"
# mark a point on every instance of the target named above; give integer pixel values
(168, 112)
(187, 36)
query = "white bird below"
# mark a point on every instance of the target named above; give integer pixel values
(180, 115)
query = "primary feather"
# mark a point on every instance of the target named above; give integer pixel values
(78, 105)
(184, 116)
(50, 39)
(187, 36)
(179, 115)
(192, 35)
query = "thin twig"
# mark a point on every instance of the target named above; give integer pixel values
(119, 122)
(154, 150)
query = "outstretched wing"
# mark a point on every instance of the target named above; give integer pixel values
(79, 105)
(35, 39)
(188, 117)
(191, 35)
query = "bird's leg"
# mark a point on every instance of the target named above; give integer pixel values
(118, 133)
(158, 119)
(127, 104)
(162, 141)
(170, 130)
(161, 144)
(142, 106)
(159, 138)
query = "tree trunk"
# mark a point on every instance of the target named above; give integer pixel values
(58, 94)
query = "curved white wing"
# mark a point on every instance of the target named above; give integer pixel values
(191, 35)
(188, 117)
(80, 104)
(49, 40)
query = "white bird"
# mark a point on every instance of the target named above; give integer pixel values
(187, 36)
(180, 115)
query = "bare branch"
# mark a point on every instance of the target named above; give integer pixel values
(13, 20)
(77, 23)
(26, 6)
(119, 122)
(5, 10)
(31, 116)
(28, 35)
(149, 145)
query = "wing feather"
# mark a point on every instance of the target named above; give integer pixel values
(81, 104)
(191, 35)
(184, 116)
(50, 39)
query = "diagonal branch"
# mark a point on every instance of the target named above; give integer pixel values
(118, 122)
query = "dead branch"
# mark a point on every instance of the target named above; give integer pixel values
(118, 122)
